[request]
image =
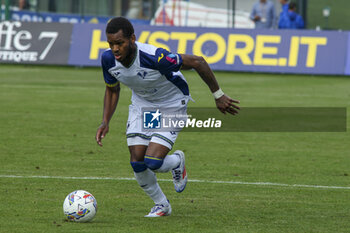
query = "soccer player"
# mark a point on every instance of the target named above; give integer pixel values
(155, 80)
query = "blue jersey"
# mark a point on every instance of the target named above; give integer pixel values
(290, 20)
(153, 76)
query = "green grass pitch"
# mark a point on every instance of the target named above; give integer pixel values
(48, 120)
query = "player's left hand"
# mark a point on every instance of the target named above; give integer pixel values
(226, 104)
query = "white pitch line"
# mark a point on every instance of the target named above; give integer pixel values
(192, 181)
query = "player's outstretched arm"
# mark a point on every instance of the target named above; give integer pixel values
(110, 103)
(223, 102)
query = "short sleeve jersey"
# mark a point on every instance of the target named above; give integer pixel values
(154, 75)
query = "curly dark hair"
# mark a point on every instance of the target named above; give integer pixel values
(292, 6)
(120, 23)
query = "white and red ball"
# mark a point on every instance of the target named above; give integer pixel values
(80, 206)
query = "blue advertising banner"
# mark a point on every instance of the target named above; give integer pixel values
(347, 67)
(30, 16)
(87, 44)
(285, 51)
(50, 17)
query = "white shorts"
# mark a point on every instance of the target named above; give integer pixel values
(135, 133)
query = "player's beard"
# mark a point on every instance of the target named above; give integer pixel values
(131, 53)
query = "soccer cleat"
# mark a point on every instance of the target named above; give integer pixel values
(160, 210)
(179, 173)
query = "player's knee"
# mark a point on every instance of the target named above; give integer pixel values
(153, 163)
(138, 166)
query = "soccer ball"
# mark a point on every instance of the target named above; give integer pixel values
(80, 206)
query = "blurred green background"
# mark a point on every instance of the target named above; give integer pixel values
(339, 18)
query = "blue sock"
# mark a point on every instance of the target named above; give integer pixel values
(138, 166)
(153, 163)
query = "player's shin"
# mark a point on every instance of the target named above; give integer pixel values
(148, 182)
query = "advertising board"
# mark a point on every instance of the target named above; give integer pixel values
(38, 43)
(283, 51)
(275, 51)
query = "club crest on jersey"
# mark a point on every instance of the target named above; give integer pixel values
(152, 119)
(116, 74)
(142, 74)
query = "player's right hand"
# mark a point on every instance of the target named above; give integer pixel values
(256, 18)
(101, 133)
